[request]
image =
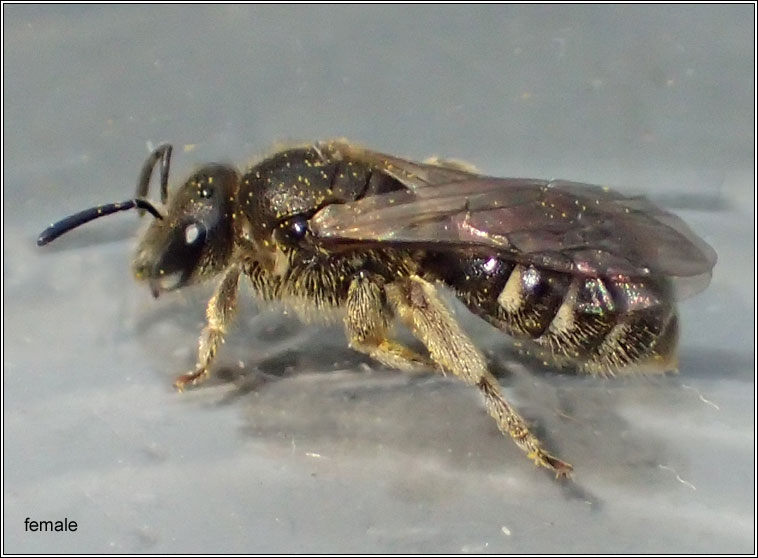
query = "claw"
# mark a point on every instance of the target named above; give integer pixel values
(192, 378)
(561, 469)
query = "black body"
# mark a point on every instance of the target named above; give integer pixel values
(581, 272)
(582, 275)
(598, 324)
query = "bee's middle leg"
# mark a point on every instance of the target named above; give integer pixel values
(367, 323)
(417, 304)
(219, 313)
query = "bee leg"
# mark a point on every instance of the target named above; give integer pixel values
(367, 322)
(416, 303)
(219, 313)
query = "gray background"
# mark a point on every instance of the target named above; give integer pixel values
(298, 444)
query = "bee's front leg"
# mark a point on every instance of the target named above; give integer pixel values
(417, 304)
(219, 314)
(367, 323)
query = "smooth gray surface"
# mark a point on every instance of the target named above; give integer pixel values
(298, 444)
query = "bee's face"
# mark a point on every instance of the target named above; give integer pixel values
(195, 239)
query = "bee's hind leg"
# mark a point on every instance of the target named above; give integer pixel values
(367, 322)
(417, 304)
(219, 313)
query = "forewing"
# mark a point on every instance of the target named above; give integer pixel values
(414, 176)
(565, 226)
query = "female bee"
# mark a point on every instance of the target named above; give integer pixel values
(585, 276)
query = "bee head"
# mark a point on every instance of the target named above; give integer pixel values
(192, 240)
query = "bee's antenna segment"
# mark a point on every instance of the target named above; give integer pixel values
(73, 221)
(162, 152)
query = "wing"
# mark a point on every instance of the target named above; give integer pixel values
(414, 176)
(564, 226)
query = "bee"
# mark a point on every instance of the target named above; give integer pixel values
(582, 275)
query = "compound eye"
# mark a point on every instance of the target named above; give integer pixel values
(194, 233)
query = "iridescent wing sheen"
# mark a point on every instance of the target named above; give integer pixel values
(559, 225)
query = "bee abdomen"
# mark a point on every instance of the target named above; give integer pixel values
(519, 300)
(530, 301)
(641, 340)
(597, 324)
(583, 320)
